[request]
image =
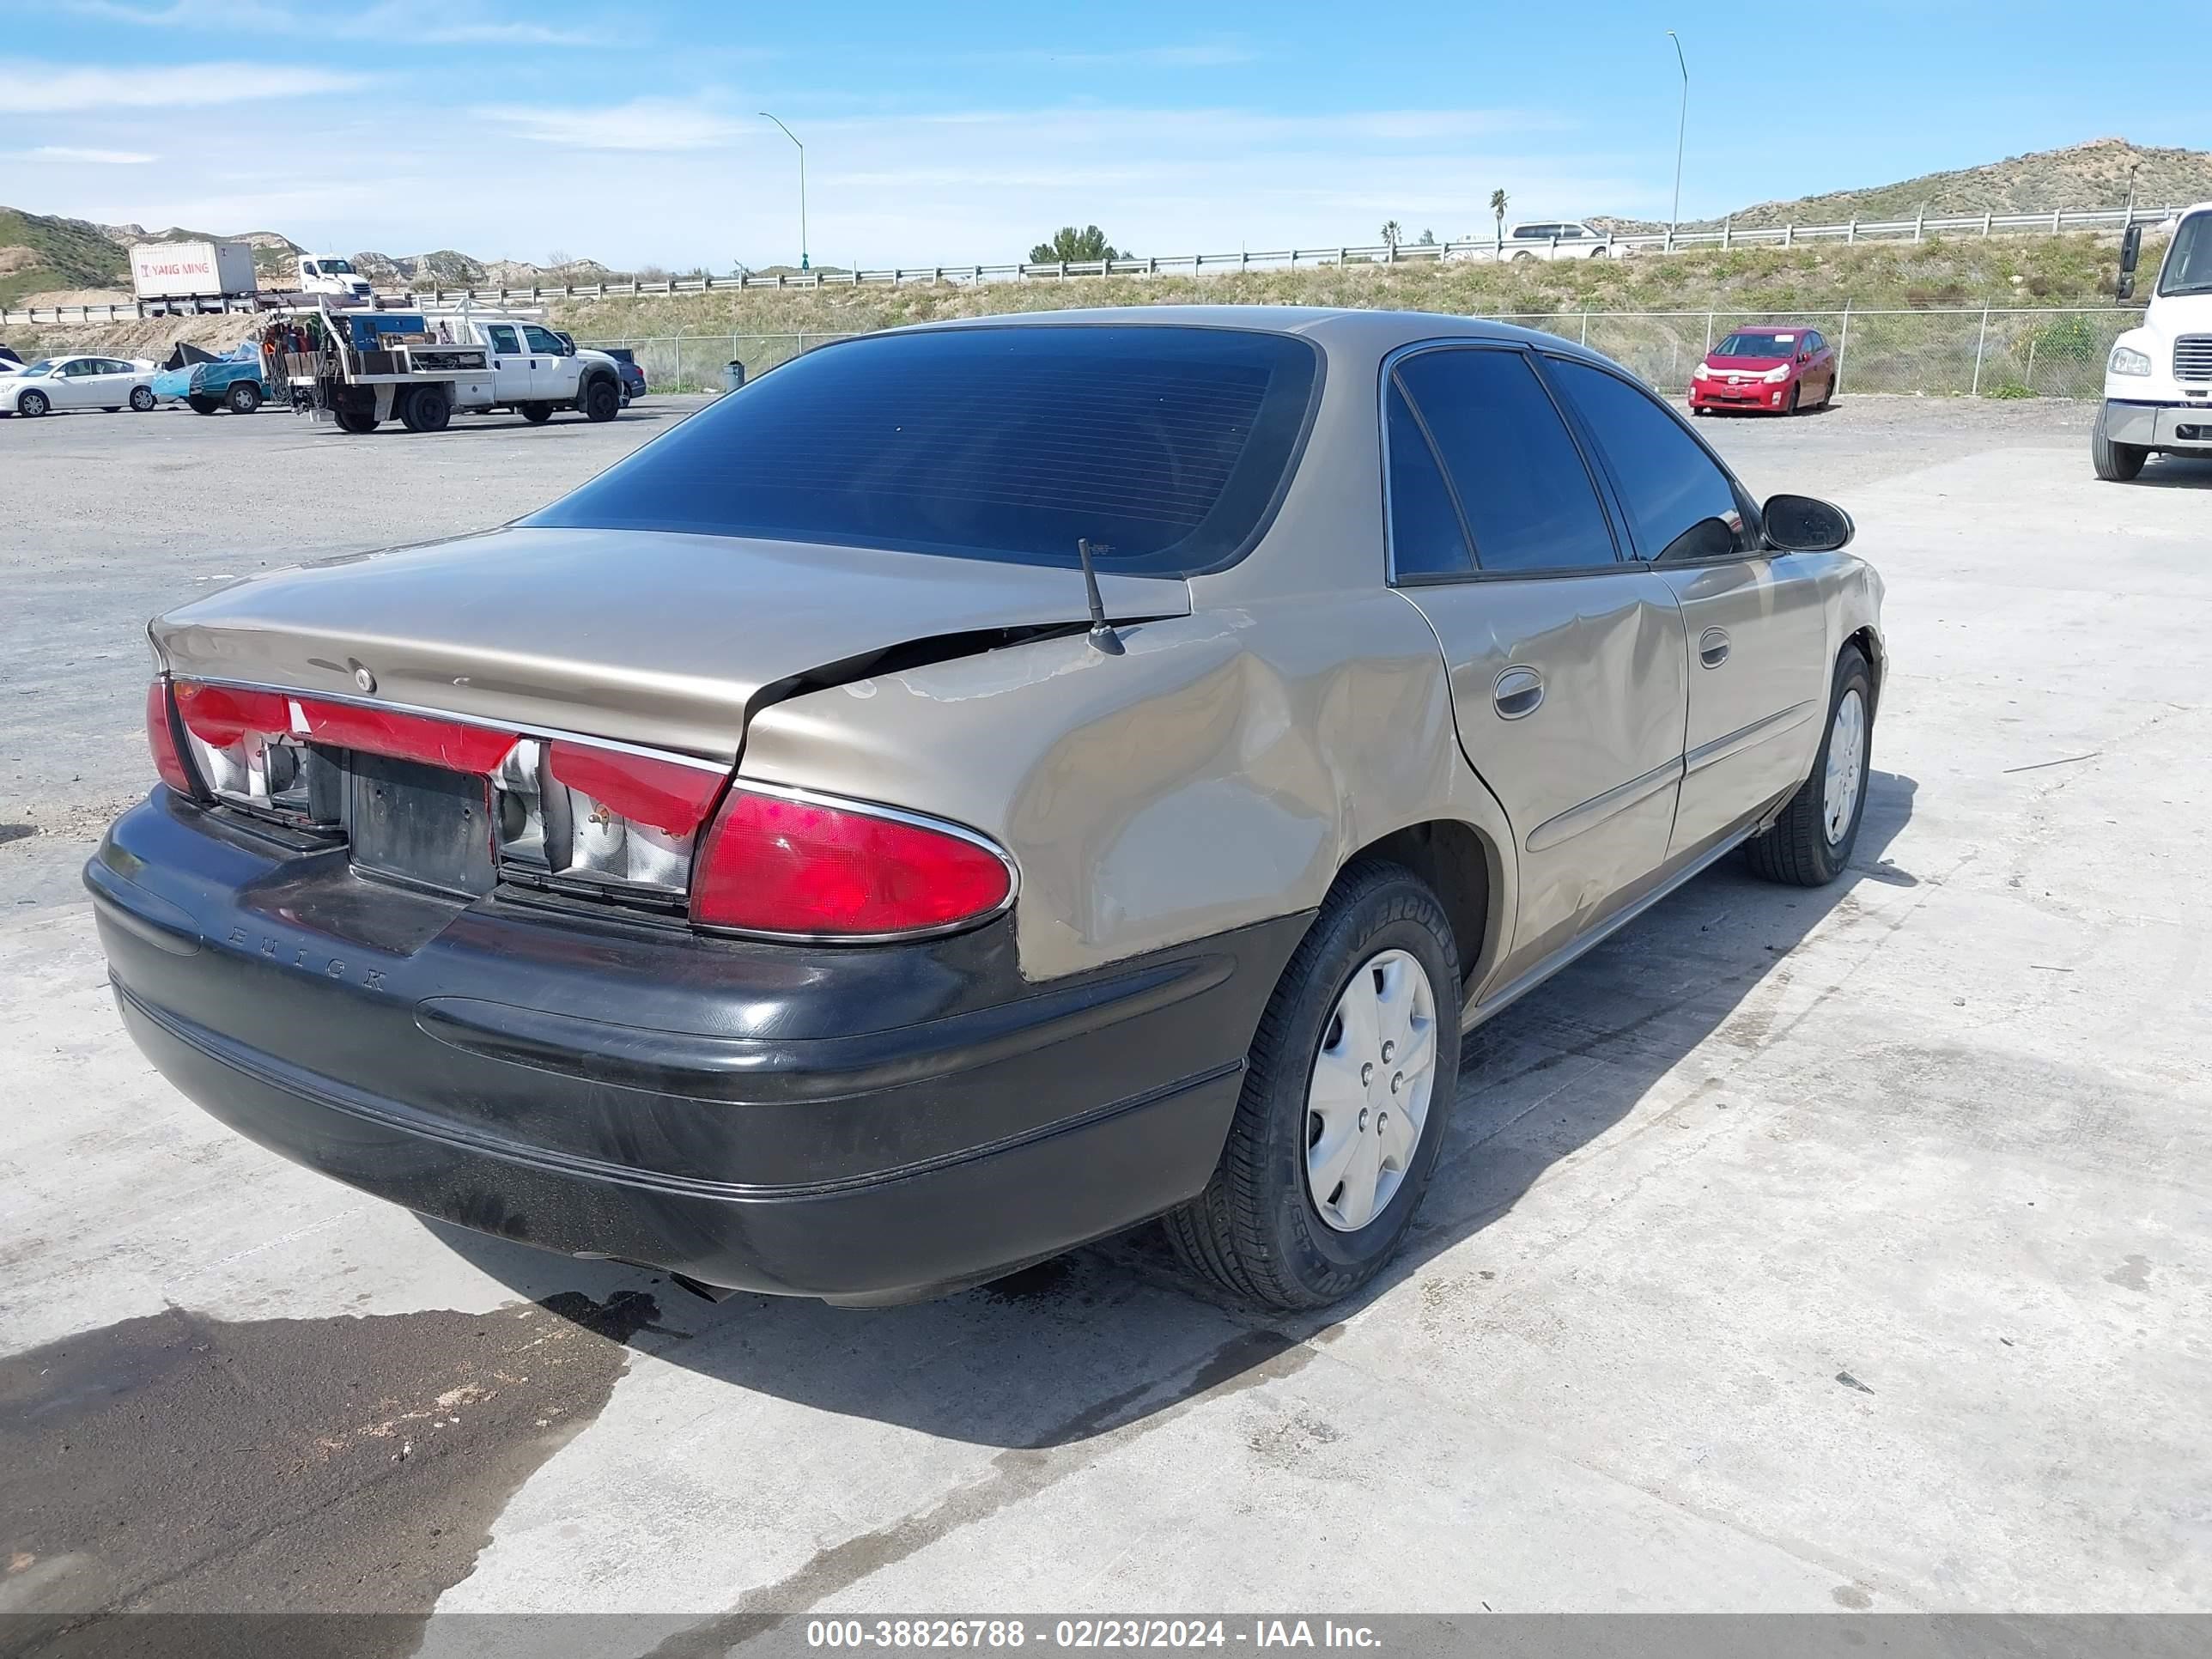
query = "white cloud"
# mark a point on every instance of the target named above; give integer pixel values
(431, 23)
(36, 88)
(114, 158)
(643, 123)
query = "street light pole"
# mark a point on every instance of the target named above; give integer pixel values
(1681, 127)
(794, 137)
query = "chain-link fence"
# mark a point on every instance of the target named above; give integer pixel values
(694, 362)
(1964, 353)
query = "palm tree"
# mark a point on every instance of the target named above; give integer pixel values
(1498, 212)
(1391, 233)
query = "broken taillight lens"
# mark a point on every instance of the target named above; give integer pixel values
(804, 867)
(250, 747)
(161, 738)
(620, 820)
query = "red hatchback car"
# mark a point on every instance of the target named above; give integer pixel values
(1778, 370)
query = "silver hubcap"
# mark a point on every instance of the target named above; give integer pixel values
(1369, 1097)
(1839, 792)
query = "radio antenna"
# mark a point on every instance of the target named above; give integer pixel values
(1103, 636)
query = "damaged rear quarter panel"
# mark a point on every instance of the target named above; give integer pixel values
(1219, 774)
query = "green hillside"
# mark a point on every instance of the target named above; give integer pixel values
(37, 253)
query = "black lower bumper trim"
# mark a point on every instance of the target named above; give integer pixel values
(857, 1125)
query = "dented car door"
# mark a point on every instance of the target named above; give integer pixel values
(1567, 663)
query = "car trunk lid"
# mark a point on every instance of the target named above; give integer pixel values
(664, 640)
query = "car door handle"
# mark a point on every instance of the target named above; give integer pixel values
(1713, 647)
(1518, 693)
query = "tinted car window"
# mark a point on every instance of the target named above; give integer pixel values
(1520, 482)
(1426, 538)
(1671, 488)
(503, 338)
(1165, 444)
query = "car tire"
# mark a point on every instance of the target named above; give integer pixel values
(536, 413)
(1523, 254)
(2114, 462)
(350, 421)
(141, 398)
(110, 409)
(1811, 842)
(1259, 1230)
(1795, 392)
(243, 398)
(204, 406)
(31, 405)
(602, 400)
(426, 410)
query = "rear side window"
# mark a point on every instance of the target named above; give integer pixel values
(503, 338)
(1166, 446)
(1520, 482)
(1673, 489)
(1426, 537)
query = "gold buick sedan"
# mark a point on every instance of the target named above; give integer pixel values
(980, 787)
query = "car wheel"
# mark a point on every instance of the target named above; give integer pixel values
(2114, 462)
(426, 410)
(33, 405)
(110, 409)
(244, 397)
(1347, 1087)
(536, 413)
(1523, 254)
(350, 421)
(1811, 842)
(204, 406)
(141, 398)
(1792, 408)
(602, 402)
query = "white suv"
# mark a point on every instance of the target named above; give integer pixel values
(1556, 238)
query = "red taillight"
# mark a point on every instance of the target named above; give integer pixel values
(666, 794)
(776, 865)
(161, 738)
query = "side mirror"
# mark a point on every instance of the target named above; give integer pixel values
(1802, 523)
(2131, 252)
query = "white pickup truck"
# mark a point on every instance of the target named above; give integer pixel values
(361, 368)
(535, 372)
(2158, 381)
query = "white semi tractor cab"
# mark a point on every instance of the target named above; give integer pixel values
(2158, 381)
(332, 273)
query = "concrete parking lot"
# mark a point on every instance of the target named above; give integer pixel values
(1794, 1251)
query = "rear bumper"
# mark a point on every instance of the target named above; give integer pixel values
(857, 1124)
(2184, 428)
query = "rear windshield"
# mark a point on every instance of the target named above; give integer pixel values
(1759, 345)
(1165, 446)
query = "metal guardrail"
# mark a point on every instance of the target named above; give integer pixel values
(1492, 250)
(1966, 352)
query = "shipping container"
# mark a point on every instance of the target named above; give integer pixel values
(192, 270)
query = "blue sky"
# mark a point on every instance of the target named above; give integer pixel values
(960, 132)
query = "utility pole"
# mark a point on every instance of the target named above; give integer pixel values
(794, 137)
(1681, 128)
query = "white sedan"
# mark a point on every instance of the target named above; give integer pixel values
(53, 383)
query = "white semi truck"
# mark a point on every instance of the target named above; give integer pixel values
(2158, 380)
(187, 276)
